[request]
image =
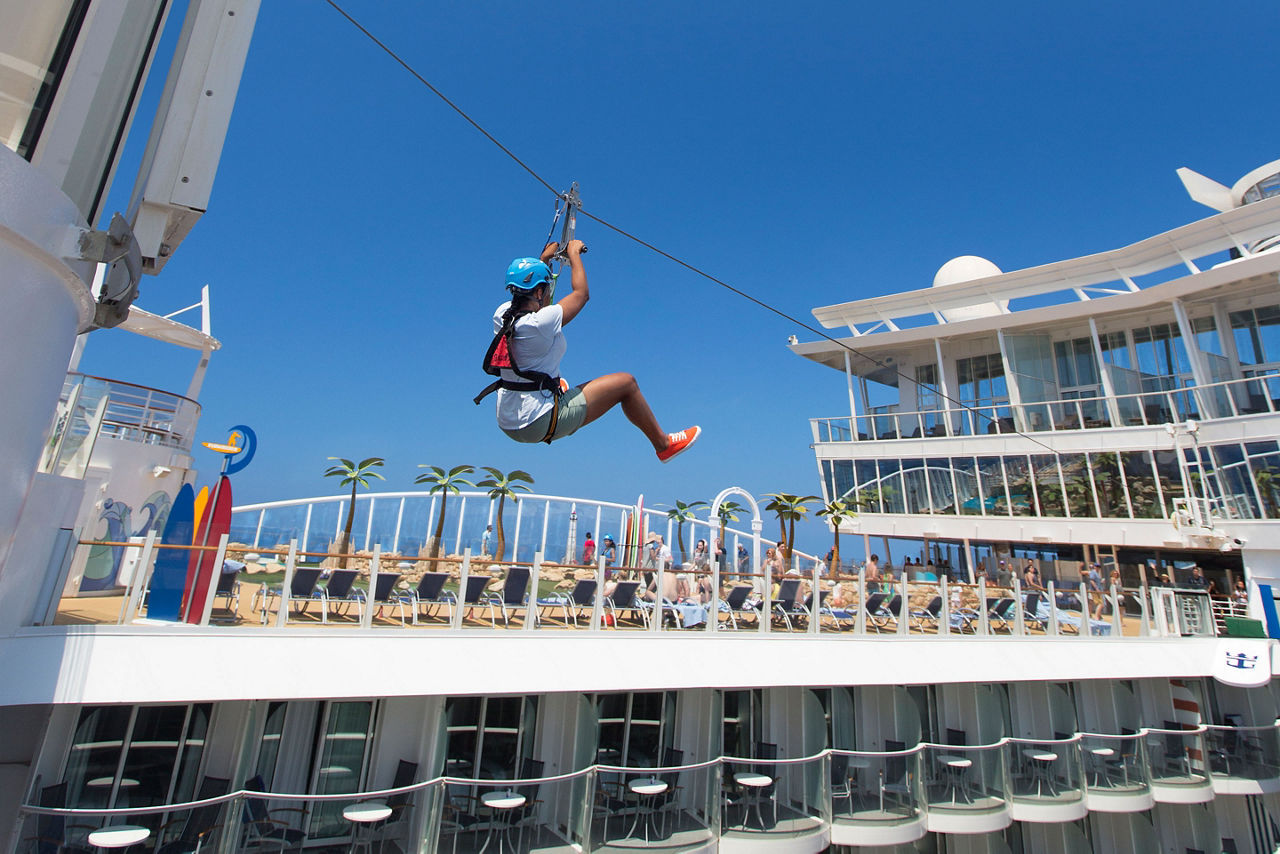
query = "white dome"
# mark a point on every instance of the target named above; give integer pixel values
(966, 268)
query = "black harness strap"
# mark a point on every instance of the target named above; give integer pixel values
(500, 357)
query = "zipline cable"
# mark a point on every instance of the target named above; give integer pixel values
(690, 267)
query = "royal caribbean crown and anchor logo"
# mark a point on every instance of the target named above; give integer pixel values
(1241, 660)
(1243, 663)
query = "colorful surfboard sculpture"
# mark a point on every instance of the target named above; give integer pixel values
(202, 569)
(202, 502)
(168, 580)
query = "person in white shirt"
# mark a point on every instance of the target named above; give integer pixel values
(550, 410)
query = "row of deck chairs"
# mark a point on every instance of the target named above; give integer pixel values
(336, 598)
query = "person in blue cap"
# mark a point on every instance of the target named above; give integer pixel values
(534, 403)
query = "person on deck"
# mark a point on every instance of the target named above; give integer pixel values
(537, 344)
(589, 550)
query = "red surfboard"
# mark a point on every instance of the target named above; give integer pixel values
(202, 570)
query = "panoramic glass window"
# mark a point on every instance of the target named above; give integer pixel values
(635, 727)
(135, 756)
(340, 762)
(35, 43)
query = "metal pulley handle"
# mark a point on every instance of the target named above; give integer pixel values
(572, 204)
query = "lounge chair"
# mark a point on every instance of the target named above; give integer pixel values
(340, 594)
(427, 597)
(514, 596)
(890, 610)
(572, 604)
(736, 604)
(228, 590)
(784, 604)
(624, 599)
(384, 593)
(302, 589)
(1001, 612)
(197, 829)
(928, 615)
(1031, 613)
(472, 597)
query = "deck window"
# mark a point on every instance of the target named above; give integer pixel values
(635, 727)
(135, 756)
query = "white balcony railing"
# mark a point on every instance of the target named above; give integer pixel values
(1227, 399)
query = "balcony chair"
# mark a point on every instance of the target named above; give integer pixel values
(736, 605)
(841, 788)
(339, 594)
(200, 826)
(302, 589)
(514, 597)
(895, 779)
(52, 833)
(382, 594)
(396, 827)
(262, 830)
(426, 599)
(572, 604)
(1173, 750)
(668, 802)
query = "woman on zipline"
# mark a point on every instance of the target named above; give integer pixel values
(534, 404)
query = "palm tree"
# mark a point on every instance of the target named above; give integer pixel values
(682, 513)
(503, 486)
(443, 482)
(727, 512)
(836, 512)
(355, 475)
(788, 508)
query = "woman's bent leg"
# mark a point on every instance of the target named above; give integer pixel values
(603, 393)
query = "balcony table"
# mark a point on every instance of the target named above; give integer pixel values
(1041, 762)
(362, 815)
(752, 780)
(502, 802)
(645, 789)
(118, 836)
(956, 768)
(1098, 760)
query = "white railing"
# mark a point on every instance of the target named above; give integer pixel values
(134, 413)
(551, 525)
(1227, 399)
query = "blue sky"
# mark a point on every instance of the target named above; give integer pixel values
(807, 153)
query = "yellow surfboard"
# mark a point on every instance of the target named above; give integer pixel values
(202, 500)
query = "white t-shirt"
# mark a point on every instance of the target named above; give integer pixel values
(538, 345)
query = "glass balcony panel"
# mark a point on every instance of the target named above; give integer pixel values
(778, 799)
(1176, 757)
(672, 807)
(964, 779)
(1045, 772)
(520, 815)
(875, 788)
(1115, 764)
(1250, 753)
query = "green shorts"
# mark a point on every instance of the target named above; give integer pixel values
(573, 411)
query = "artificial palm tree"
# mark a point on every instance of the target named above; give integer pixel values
(443, 482)
(788, 508)
(503, 486)
(836, 512)
(727, 512)
(682, 513)
(356, 476)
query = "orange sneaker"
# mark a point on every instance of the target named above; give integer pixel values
(680, 442)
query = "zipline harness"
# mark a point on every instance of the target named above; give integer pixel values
(499, 359)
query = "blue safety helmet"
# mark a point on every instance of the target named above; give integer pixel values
(526, 274)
